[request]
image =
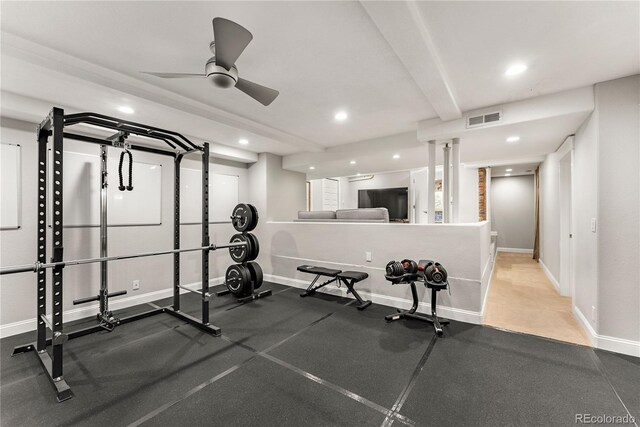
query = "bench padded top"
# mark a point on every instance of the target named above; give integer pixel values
(319, 270)
(355, 275)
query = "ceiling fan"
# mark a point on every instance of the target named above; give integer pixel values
(230, 40)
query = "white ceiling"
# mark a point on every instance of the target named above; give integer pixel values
(389, 64)
(321, 56)
(565, 44)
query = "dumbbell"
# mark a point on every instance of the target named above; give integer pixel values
(398, 268)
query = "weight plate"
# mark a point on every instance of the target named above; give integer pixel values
(242, 218)
(240, 253)
(254, 224)
(254, 247)
(256, 274)
(238, 279)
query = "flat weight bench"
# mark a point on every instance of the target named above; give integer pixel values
(348, 278)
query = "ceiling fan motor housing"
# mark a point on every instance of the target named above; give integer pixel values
(220, 76)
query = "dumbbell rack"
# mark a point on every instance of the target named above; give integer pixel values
(417, 274)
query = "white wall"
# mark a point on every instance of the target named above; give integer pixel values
(462, 248)
(469, 209)
(550, 214)
(513, 215)
(17, 292)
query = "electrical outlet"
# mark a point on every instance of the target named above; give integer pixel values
(593, 225)
(136, 285)
(594, 314)
(368, 256)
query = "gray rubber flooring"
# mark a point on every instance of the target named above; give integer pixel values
(291, 361)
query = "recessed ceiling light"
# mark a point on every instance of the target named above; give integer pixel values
(515, 69)
(243, 141)
(126, 110)
(396, 156)
(353, 162)
(507, 174)
(341, 116)
(513, 139)
(509, 170)
(312, 167)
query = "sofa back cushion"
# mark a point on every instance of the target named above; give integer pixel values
(317, 215)
(376, 214)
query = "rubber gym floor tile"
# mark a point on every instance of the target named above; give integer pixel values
(360, 352)
(265, 322)
(116, 380)
(624, 373)
(263, 393)
(486, 377)
(190, 303)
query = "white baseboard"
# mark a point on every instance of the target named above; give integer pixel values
(550, 276)
(90, 310)
(586, 326)
(395, 302)
(605, 342)
(516, 250)
(619, 345)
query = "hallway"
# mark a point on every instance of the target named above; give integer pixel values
(522, 299)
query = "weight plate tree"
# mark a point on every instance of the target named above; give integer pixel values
(243, 278)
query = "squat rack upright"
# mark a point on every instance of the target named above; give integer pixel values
(174, 145)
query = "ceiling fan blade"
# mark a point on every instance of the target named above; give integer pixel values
(262, 94)
(231, 39)
(174, 75)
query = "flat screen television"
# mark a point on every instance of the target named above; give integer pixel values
(396, 200)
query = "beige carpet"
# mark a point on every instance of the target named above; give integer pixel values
(522, 299)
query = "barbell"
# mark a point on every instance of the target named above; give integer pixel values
(246, 244)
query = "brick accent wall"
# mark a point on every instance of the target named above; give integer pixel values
(482, 194)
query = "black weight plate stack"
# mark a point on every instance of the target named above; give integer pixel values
(255, 218)
(244, 217)
(255, 246)
(241, 253)
(238, 279)
(256, 274)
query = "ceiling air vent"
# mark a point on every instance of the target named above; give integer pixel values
(484, 119)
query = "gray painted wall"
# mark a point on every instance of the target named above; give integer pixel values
(512, 211)
(618, 107)
(286, 191)
(550, 215)
(586, 207)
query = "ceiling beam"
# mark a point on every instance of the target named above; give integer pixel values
(402, 25)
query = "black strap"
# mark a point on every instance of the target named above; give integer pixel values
(121, 187)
